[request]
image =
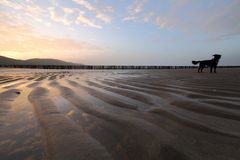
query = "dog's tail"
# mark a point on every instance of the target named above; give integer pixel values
(195, 62)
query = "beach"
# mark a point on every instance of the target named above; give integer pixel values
(168, 114)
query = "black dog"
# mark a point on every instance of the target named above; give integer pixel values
(211, 63)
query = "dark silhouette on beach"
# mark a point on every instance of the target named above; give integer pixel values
(210, 63)
(36, 63)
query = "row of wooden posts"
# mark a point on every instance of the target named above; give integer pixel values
(96, 67)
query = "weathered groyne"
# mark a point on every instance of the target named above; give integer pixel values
(98, 67)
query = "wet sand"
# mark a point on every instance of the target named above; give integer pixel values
(119, 115)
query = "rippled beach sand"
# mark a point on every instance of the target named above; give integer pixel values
(120, 115)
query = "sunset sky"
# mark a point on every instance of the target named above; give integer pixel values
(138, 32)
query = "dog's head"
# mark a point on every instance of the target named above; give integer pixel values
(217, 56)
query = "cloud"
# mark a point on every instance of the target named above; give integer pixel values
(57, 18)
(105, 18)
(109, 9)
(83, 19)
(79, 19)
(101, 13)
(57, 13)
(148, 17)
(162, 22)
(86, 4)
(33, 9)
(21, 11)
(218, 18)
(137, 6)
(130, 18)
(29, 7)
(23, 41)
(225, 20)
(9, 18)
(135, 10)
(68, 10)
(14, 5)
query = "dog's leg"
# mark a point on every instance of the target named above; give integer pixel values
(215, 67)
(211, 67)
(199, 68)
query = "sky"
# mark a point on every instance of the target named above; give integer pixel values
(121, 32)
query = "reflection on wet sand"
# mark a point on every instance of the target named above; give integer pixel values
(121, 115)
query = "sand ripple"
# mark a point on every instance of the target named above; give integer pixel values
(122, 115)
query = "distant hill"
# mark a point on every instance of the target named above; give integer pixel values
(9, 61)
(34, 61)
